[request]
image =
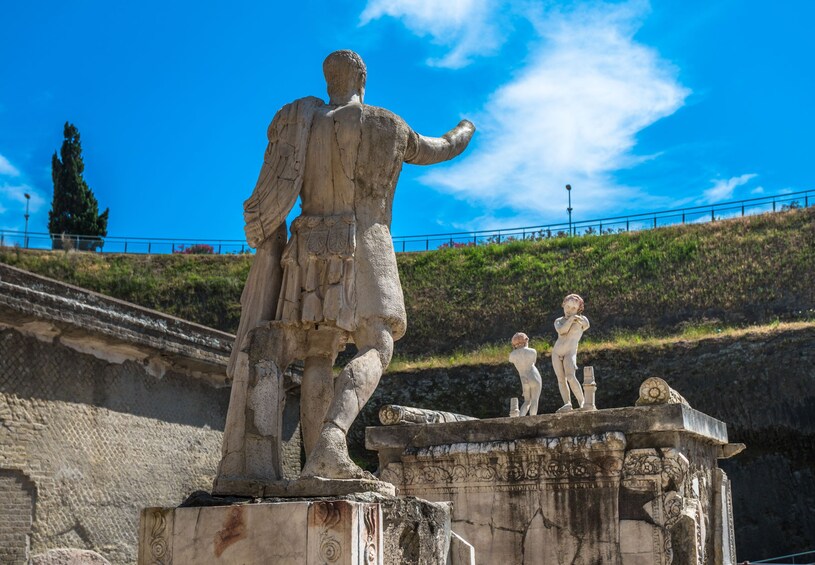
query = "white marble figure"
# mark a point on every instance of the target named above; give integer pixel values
(336, 280)
(524, 357)
(570, 328)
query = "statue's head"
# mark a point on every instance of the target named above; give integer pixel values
(520, 340)
(573, 304)
(345, 75)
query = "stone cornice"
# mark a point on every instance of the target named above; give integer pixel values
(109, 328)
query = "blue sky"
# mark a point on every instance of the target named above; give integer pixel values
(638, 105)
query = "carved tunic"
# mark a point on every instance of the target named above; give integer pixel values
(318, 272)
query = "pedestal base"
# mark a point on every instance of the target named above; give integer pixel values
(368, 529)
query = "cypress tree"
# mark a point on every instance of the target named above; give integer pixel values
(74, 210)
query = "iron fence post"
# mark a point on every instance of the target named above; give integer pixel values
(655, 222)
(403, 246)
(712, 215)
(742, 209)
(219, 249)
(149, 247)
(427, 244)
(626, 224)
(125, 246)
(773, 204)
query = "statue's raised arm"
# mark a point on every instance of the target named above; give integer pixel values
(431, 150)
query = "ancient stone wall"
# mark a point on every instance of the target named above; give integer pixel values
(90, 443)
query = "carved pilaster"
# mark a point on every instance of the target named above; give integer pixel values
(156, 530)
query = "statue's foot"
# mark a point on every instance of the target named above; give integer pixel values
(330, 460)
(564, 408)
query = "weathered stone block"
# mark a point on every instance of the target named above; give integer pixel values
(370, 529)
(625, 486)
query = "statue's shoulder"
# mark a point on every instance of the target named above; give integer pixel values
(382, 114)
(293, 110)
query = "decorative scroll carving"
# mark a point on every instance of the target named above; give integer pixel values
(391, 415)
(672, 505)
(159, 541)
(656, 391)
(371, 520)
(664, 473)
(582, 458)
(330, 547)
(669, 464)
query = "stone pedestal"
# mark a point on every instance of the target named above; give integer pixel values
(372, 530)
(628, 486)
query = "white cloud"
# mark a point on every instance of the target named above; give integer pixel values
(467, 27)
(722, 189)
(7, 169)
(13, 197)
(757, 190)
(570, 116)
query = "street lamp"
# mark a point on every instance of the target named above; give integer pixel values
(25, 237)
(569, 209)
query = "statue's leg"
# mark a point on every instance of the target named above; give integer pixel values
(570, 363)
(560, 372)
(252, 436)
(317, 390)
(525, 389)
(352, 389)
(534, 396)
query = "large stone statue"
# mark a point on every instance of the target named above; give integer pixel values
(335, 281)
(570, 328)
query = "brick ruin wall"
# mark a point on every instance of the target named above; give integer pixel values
(85, 444)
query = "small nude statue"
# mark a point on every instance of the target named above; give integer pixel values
(570, 328)
(524, 357)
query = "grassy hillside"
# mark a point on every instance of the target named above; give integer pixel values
(736, 272)
(748, 270)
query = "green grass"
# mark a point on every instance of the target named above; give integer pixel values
(497, 354)
(202, 288)
(653, 283)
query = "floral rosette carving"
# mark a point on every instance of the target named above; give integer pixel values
(642, 462)
(330, 548)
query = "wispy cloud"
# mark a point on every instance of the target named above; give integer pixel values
(12, 193)
(466, 27)
(570, 116)
(7, 169)
(723, 189)
(16, 193)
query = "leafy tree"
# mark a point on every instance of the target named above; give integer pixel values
(74, 210)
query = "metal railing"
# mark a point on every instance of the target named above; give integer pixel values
(616, 224)
(803, 558)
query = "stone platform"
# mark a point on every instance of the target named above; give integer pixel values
(628, 486)
(366, 529)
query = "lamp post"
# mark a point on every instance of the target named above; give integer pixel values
(569, 209)
(25, 236)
